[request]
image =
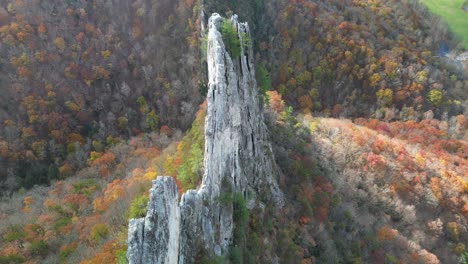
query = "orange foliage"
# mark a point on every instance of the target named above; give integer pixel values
(33, 232)
(386, 233)
(41, 28)
(305, 103)
(276, 102)
(76, 200)
(107, 253)
(378, 146)
(27, 201)
(112, 192)
(104, 171)
(434, 184)
(65, 170)
(105, 159)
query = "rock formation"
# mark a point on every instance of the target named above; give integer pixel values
(238, 160)
(155, 238)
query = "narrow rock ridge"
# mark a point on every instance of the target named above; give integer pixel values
(238, 159)
(155, 238)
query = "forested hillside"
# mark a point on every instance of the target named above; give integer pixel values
(79, 76)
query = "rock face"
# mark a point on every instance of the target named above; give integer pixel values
(155, 238)
(238, 159)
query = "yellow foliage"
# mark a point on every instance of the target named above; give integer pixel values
(99, 232)
(21, 36)
(49, 203)
(420, 160)
(60, 43)
(27, 201)
(106, 54)
(65, 170)
(374, 79)
(151, 175)
(385, 96)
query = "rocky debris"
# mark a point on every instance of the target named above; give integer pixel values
(238, 159)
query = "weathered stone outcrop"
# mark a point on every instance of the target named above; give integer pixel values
(238, 159)
(155, 238)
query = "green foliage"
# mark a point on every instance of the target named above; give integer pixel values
(32, 173)
(141, 101)
(121, 257)
(235, 255)
(191, 151)
(385, 96)
(241, 213)
(39, 248)
(58, 209)
(464, 258)
(15, 232)
(231, 39)
(288, 248)
(53, 172)
(241, 217)
(263, 78)
(112, 141)
(152, 121)
(12, 259)
(98, 146)
(204, 43)
(86, 187)
(287, 115)
(246, 41)
(64, 254)
(391, 259)
(434, 97)
(61, 222)
(225, 198)
(213, 260)
(138, 207)
(99, 232)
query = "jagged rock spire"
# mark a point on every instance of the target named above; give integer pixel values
(238, 159)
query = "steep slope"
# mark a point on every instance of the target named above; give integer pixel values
(355, 58)
(370, 191)
(76, 73)
(238, 162)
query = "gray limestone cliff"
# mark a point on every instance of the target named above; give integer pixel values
(155, 238)
(238, 160)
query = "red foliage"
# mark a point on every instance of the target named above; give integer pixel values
(375, 162)
(76, 200)
(165, 130)
(321, 214)
(378, 256)
(304, 220)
